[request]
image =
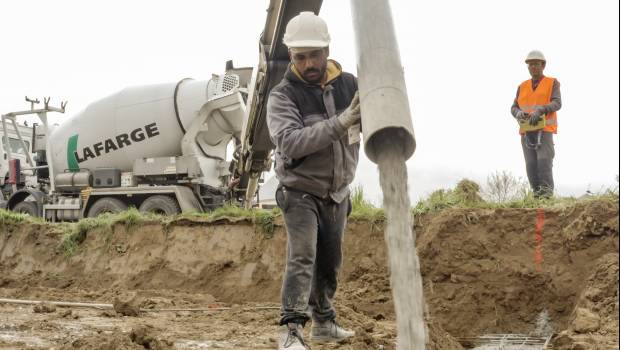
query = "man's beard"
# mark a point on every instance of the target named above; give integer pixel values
(318, 77)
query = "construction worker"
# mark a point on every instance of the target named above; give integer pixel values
(538, 99)
(308, 116)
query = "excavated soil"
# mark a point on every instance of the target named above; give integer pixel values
(480, 267)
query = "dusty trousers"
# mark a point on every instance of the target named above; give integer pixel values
(315, 229)
(539, 162)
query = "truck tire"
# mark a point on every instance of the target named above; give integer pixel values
(159, 204)
(27, 207)
(106, 205)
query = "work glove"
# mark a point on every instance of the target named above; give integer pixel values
(536, 116)
(521, 115)
(352, 114)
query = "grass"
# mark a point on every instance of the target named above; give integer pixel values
(70, 242)
(455, 198)
(75, 233)
(363, 210)
(264, 219)
(10, 218)
(131, 218)
(467, 195)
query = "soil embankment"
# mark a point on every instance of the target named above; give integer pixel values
(480, 269)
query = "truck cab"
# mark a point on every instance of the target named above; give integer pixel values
(17, 151)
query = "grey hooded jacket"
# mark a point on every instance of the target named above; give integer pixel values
(313, 154)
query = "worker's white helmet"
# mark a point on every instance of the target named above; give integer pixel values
(306, 30)
(535, 55)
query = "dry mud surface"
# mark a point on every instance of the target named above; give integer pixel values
(479, 269)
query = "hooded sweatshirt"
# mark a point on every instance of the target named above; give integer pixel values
(312, 153)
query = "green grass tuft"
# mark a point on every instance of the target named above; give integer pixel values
(436, 201)
(230, 211)
(132, 217)
(75, 233)
(70, 242)
(523, 199)
(363, 210)
(11, 218)
(264, 219)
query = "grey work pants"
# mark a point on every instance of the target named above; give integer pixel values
(315, 229)
(539, 162)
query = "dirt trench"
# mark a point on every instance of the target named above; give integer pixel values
(482, 274)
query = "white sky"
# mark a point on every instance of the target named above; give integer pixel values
(463, 61)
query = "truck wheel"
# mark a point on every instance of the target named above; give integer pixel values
(158, 204)
(106, 205)
(27, 207)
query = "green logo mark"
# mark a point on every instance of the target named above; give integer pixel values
(71, 153)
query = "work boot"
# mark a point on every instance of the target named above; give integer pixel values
(328, 331)
(291, 337)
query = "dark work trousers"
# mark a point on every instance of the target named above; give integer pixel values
(539, 162)
(315, 228)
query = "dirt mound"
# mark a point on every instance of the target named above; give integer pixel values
(481, 271)
(480, 267)
(594, 219)
(439, 339)
(103, 342)
(594, 320)
(140, 338)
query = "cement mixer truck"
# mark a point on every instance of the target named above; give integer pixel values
(160, 148)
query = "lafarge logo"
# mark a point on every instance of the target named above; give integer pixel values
(75, 157)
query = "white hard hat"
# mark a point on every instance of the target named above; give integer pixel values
(306, 30)
(535, 55)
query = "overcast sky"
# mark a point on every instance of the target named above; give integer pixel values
(463, 61)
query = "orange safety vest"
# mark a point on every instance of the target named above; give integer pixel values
(529, 99)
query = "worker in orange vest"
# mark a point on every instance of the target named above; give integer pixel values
(538, 99)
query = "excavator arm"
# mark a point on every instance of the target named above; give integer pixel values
(254, 155)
